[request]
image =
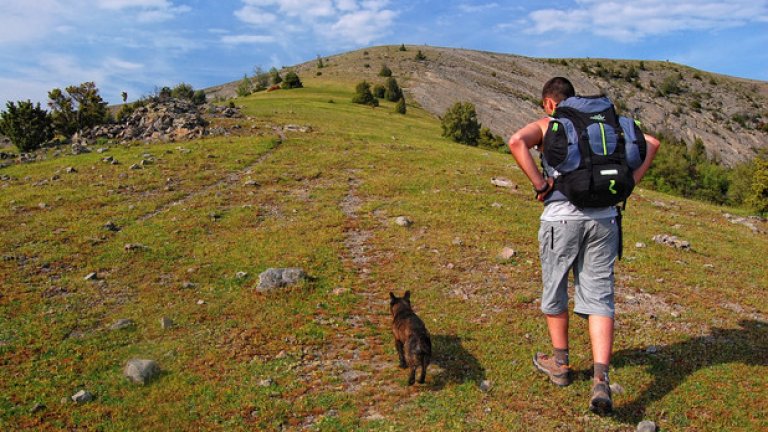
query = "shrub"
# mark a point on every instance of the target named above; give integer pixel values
(81, 107)
(488, 140)
(757, 197)
(260, 79)
(364, 96)
(320, 63)
(245, 87)
(379, 91)
(420, 56)
(27, 126)
(460, 123)
(402, 48)
(274, 76)
(199, 97)
(292, 81)
(183, 91)
(385, 71)
(393, 93)
(400, 107)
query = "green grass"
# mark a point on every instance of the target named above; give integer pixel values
(482, 313)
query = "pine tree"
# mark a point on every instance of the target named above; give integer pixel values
(460, 123)
(364, 96)
(27, 126)
(402, 48)
(400, 107)
(292, 81)
(392, 92)
(245, 87)
(385, 71)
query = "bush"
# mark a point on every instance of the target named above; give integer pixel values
(364, 96)
(245, 87)
(27, 126)
(757, 197)
(490, 141)
(292, 81)
(402, 48)
(80, 108)
(420, 56)
(393, 93)
(379, 91)
(275, 77)
(400, 107)
(460, 123)
(385, 71)
(183, 91)
(199, 97)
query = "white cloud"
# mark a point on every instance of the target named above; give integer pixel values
(343, 22)
(631, 21)
(247, 39)
(474, 8)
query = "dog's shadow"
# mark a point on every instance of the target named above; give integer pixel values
(456, 364)
(674, 363)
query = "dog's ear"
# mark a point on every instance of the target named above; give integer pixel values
(392, 298)
(407, 296)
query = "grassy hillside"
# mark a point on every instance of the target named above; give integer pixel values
(691, 343)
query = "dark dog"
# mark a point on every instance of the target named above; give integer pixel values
(411, 337)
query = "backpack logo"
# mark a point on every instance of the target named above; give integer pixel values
(611, 187)
(599, 117)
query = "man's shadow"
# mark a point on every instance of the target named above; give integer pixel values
(673, 364)
(457, 365)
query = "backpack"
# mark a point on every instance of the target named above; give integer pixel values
(591, 152)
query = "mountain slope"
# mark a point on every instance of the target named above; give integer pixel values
(728, 114)
(691, 336)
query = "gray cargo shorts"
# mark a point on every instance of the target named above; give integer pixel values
(589, 247)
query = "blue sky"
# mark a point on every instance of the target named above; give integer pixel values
(136, 45)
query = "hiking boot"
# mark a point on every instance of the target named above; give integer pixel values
(600, 399)
(559, 374)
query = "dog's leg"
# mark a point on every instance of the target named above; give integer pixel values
(401, 353)
(424, 363)
(412, 376)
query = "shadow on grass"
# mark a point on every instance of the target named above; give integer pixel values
(673, 364)
(457, 364)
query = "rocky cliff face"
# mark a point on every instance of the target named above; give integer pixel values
(729, 115)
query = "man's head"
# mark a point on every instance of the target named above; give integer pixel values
(555, 91)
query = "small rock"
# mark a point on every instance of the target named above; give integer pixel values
(121, 324)
(82, 396)
(457, 242)
(141, 371)
(37, 407)
(201, 302)
(617, 389)
(145, 162)
(646, 426)
(279, 277)
(340, 290)
(485, 386)
(166, 323)
(497, 205)
(403, 221)
(91, 276)
(653, 349)
(135, 167)
(507, 253)
(503, 182)
(108, 159)
(42, 205)
(111, 226)
(69, 170)
(266, 382)
(253, 183)
(188, 285)
(640, 245)
(672, 241)
(101, 150)
(134, 246)
(241, 275)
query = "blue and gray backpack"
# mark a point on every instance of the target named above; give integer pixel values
(591, 152)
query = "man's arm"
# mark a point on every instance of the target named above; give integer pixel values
(520, 144)
(652, 147)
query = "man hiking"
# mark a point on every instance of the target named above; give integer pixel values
(592, 159)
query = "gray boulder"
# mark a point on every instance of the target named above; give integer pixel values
(273, 278)
(646, 426)
(82, 396)
(141, 371)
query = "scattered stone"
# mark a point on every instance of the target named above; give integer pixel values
(253, 183)
(503, 182)
(267, 382)
(82, 396)
(672, 241)
(101, 150)
(273, 278)
(91, 276)
(640, 245)
(241, 275)
(37, 407)
(201, 302)
(145, 162)
(653, 349)
(485, 386)
(340, 290)
(134, 246)
(188, 285)
(457, 242)
(108, 159)
(749, 222)
(135, 167)
(121, 324)
(70, 170)
(42, 205)
(646, 426)
(166, 323)
(617, 389)
(403, 221)
(497, 205)
(110, 226)
(141, 371)
(507, 253)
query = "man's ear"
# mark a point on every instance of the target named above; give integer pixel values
(549, 105)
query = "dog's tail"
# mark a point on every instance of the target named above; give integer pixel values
(424, 348)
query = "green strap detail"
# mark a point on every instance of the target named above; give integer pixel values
(637, 122)
(602, 134)
(554, 127)
(611, 187)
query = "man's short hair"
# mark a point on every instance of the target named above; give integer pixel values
(559, 89)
